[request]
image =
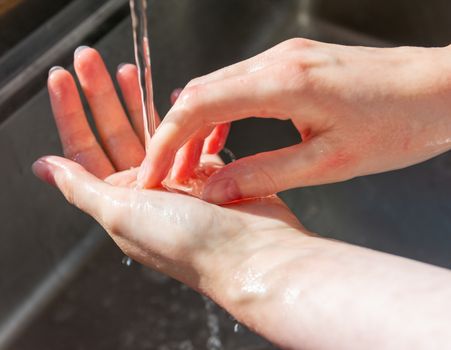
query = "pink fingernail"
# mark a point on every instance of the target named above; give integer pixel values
(42, 169)
(175, 95)
(79, 49)
(54, 69)
(121, 65)
(222, 191)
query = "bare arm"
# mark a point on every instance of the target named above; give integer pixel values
(253, 257)
(312, 293)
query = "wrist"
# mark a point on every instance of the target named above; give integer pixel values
(249, 250)
(253, 277)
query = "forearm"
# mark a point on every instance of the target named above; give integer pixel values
(312, 293)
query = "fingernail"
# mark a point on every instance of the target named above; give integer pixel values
(175, 95)
(54, 69)
(79, 49)
(119, 67)
(222, 191)
(43, 171)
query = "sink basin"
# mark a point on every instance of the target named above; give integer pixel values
(63, 284)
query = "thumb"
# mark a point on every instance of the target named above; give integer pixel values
(80, 187)
(313, 162)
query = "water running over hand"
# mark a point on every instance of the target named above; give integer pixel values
(195, 185)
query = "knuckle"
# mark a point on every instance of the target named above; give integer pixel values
(297, 44)
(194, 82)
(72, 146)
(341, 161)
(190, 99)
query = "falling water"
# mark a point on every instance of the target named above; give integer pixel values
(214, 340)
(127, 261)
(138, 9)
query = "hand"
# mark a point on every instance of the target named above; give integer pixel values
(179, 235)
(359, 111)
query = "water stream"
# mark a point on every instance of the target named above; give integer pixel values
(138, 10)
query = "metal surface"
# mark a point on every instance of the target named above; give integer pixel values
(107, 306)
(13, 27)
(404, 22)
(55, 282)
(25, 66)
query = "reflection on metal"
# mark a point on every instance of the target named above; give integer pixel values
(305, 12)
(7, 5)
(51, 286)
(67, 43)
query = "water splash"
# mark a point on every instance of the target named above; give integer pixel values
(227, 155)
(127, 261)
(214, 339)
(236, 328)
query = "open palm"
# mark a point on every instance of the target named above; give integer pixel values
(177, 234)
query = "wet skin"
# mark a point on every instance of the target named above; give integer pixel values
(359, 110)
(253, 257)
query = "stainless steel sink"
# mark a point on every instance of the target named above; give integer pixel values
(61, 279)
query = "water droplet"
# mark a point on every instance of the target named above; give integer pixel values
(236, 328)
(227, 156)
(214, 339)
(127, 261)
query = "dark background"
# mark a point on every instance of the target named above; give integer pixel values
(62, 284)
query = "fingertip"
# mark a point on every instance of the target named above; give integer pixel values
(175, 95)
(144, 178)
(120, 66)
(213, 145)
(186, 160)
(43, 170)
(216, 141)
(58, 76)
(86, 60)
(54, 69)
(126, 69)
(127, 77)
(154, 169)
(79, 50)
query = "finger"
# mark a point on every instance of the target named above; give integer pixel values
(187, 159)
(175, 95)
(126, 178)
(80, 188)
(77, 138)
(310, 163)
(120, 141)
(215, 142)
(94, 197)
(126, 213)
(127, 77)
(208, 105)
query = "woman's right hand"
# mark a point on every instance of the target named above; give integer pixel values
(359, 111)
